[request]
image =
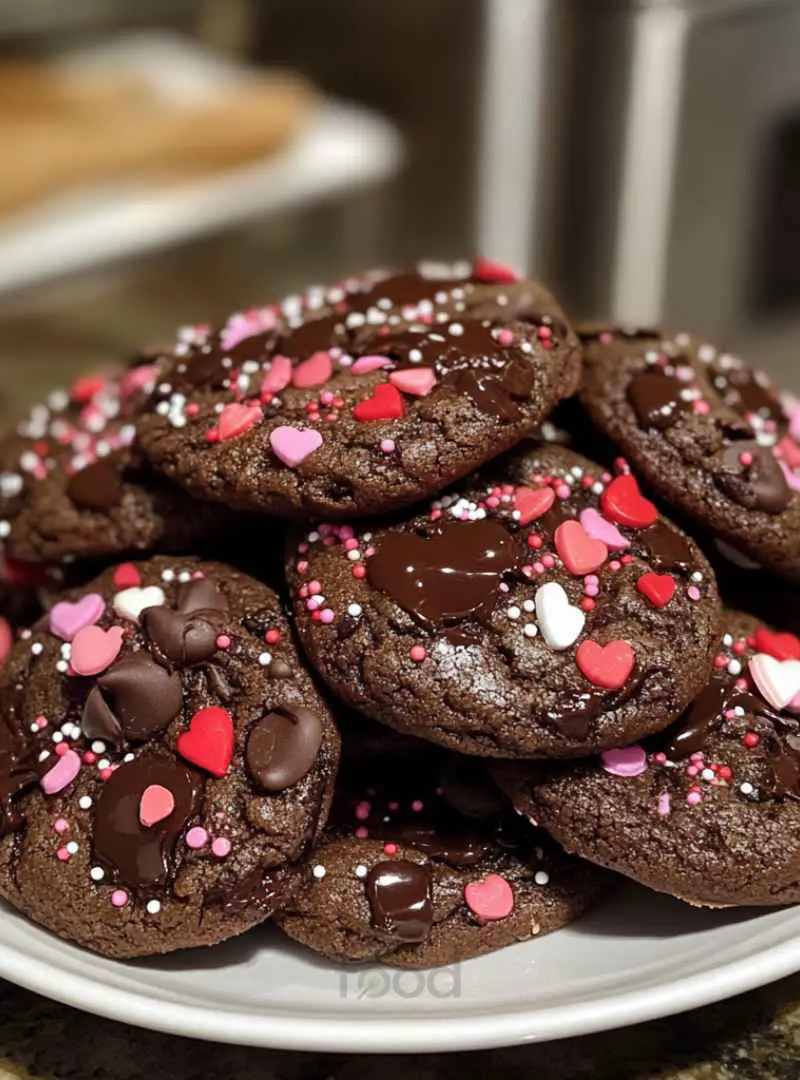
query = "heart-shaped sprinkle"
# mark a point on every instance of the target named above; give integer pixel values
(130, 603)
(293, 445)
(561, 623)
(491, 899)
(94, 649)
(385, 404)
(68, 619)
(531, 503)
(208, 743)
(658, 588)
(62, 773)
(156, 804)
(791, 477)
(608, 666)
(778, 681)
(493, 273)
(278, 377)
(577, 550)
(416, 381)
(624, 761)
(598, 528)
(126, 576)
(365, 364)
(781, 646)
(236, 419)
(315, 371)
(623, 502)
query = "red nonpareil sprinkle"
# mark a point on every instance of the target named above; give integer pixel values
(725, 772)
(720, 661)
(212, 436)
(390, 849)
(535, 541)
(418, 653)
(587, 604)
(359, 571)
(272, 637)
(223, 641)
(106, 774)
(751, 739)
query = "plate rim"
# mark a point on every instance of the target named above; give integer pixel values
(381, 1034)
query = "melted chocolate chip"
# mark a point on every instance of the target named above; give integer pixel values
(702, 717)
(183, 638)
(461, 849)
(136, 856)
(17, 774)
(759, 485)
(668, 549)
(202, 594)
(656, 399)
(399, 895)
(746, 390)
(134, 699)
(266, 890)
(279, 669)
(98, 486)
(451, 575)
(282, 747)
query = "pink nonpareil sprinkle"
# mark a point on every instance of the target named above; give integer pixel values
(664, 804)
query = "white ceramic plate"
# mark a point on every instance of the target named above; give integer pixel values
(639, 957)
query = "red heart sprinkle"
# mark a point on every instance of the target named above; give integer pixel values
(126, 576)
(577, 550)
(208, 743)
(494, 273)
(623, 502)
(236, 419)
(385, 404)
(658, 588)
(491, 899)
(781, 646)
(606, 665)
(533, 502)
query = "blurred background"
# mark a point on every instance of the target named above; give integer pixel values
(168, 161)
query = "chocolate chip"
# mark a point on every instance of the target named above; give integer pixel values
(282, 746)
(136, 698)
(399, 895)
(98, 486)
(183, 638)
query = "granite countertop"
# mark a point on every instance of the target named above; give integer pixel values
(46, 337)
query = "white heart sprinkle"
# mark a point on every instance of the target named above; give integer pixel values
(130, 603)
(778, 680)
(561, 623)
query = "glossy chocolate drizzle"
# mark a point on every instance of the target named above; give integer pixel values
(656, 399)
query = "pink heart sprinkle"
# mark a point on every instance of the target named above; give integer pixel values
(156, 803)
(95, 649)
(625, 761)
(236, 419)
(62, 773)
(279, 375)
(67, 619)
(313, 372)
(365, 364)
(416, 381)
(490, 899)
(599, 528)
(293, 445)
(792, 478)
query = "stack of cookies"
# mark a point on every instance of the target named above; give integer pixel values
(343, 629)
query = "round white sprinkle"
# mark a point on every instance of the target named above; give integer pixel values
(530, 629)
(354, 610)
(98, 747)
(44, 755)
(72, 847)
(707, 774)
(456, 329)
(84, 802)
(66, 650)
(128, 757)
(103, 763)
(541, 877)
(57, 737)
(265, 658)
(727, 640)
(153, 907)
(513, 612)
(37, 648)
(735, 667)
(598, 488)
(746, 788)
(319, 872)
(97, 873)
(62, 666)
(184, 576)
(34, 728)
(529, 605)
(697, 577)
(167, 575)
(361, 871)
(354, 555)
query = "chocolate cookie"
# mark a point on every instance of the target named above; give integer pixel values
(708, 433)
(425, 863)
(72, 483)
(165, 760)
(362, 397)
(709, 811)
(541, 609)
